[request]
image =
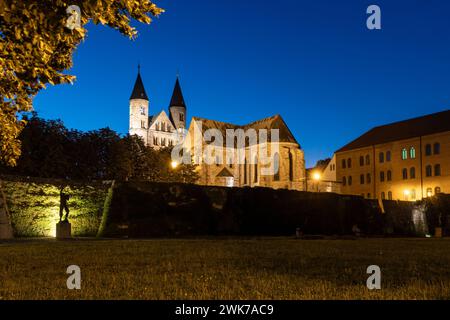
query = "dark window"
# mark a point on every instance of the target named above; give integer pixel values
(388, 156)
(291, 167)
(256, 171)
(437, 170)
(367, 160)
(405, 173)
(361, 179)
(428, 150)
(381, 156)
(437, 148)
(344, 181)
(412, 173)
(276, 176)
(350, 180)
(389, 175)
(245, 171)
(390, 195)
(344, 164)
(429, 171)
(182, 117)
(361, 161)
(382, 176)
(369, 178)
(349, 163)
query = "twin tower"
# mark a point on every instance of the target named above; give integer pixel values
(159, 130)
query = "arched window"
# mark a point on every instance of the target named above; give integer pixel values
(437, 148)
(255, 176)
(291, 167)
(369, 178)
(437, 170)
(361, 161)
(429, 171)
(389, 175)
(381, 157)
(405, 173)
(383, 196)
(361, 179)
(382, 176)
(388, 156)
(412, 153)
(437, 190)
(428, 150)
(390, 195)
(344, 164)
(412, 173)
(367, 160)
(349, 163)
(350, 180)
(276, 164)
(344, 181)
(404, 154)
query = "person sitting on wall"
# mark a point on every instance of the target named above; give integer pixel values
(63, 198)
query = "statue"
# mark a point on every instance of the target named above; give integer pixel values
(63, 198)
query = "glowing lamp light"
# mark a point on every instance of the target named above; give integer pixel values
(174, 164)
(406, 193)
(316, 176)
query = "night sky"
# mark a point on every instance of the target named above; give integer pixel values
(313, 62)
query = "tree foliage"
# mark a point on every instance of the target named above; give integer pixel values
(36, 48)
(50, 150)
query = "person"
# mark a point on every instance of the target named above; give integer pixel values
(63, 198)
(356, 230)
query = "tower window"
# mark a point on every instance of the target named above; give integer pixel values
(412, 153)
(143, 124)
(142, 110)
(404, 154)
(381, 157)
(388, 156)
(428, 150)
(182, 117)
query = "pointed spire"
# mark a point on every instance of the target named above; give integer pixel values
(139, 90)
(177, 96)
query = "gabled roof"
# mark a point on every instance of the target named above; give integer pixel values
(139, 90)
(177, 96)
(224, 173)
(412, 128)
(274, 122)
(157, 116)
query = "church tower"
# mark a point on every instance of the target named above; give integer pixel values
(177, 107)
(139, 109)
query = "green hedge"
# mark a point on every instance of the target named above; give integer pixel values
(34, 205)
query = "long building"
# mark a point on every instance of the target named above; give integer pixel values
(406, 160)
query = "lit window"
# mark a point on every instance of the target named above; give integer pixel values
(412, 153)
(404, 154)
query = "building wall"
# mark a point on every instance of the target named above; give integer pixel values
(138, 119)
(396, 188)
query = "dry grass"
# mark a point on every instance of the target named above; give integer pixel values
(275, 268)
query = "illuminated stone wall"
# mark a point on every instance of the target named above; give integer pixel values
(34, 206)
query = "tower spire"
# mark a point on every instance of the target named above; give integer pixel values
(177, 96)
(139, 90)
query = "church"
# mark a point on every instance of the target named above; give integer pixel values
(169, 130)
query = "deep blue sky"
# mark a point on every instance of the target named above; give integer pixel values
(313, 62)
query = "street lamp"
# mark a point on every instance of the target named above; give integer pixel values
(316, 177)
(174, 164)
(406, 194)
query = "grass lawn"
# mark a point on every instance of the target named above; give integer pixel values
(268, 268)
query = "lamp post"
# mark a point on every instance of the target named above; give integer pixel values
(316, 178)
